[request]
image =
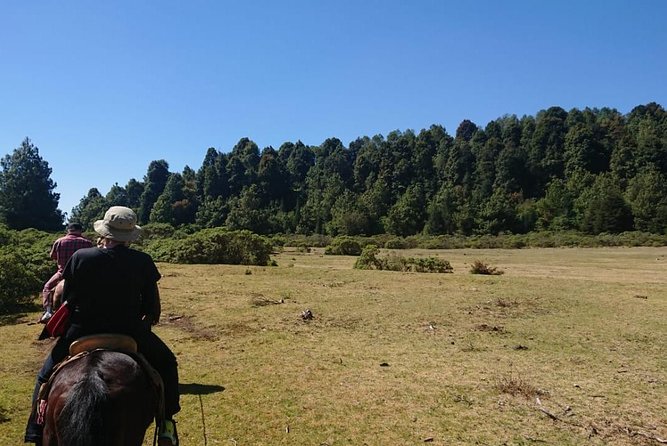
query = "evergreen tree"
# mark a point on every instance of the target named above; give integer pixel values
(498, 213)
(606, 211)
(441, 213)
(117, 196)
(647, 195)
(242, 166)
(154, 183)
(556, 209)
(348, 216)
(546, 152)
(272, 177)
(134, 189)
(407, 216)
(211, 178)
(90, 209)
(247, 212)
(177, 204)
(27, 199)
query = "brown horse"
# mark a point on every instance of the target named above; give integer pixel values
(105, 398)
(57, 294)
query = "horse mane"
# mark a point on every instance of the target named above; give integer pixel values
(81, 422)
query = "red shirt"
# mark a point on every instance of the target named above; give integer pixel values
(64, 247)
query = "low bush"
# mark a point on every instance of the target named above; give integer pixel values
(213, 246)
(370, 259)
(20, 278)
(344, 246)
(429, 265)
(395, 243)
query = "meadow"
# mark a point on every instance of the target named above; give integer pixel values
(567, 347)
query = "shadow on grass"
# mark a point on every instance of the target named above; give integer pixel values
(199, 389)
(10, 315)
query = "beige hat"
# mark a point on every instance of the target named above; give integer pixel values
(120, 223)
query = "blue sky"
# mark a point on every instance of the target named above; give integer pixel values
(104, 88)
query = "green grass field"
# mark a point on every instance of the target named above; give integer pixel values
(567, 347)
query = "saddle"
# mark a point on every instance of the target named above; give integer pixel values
(105, 341)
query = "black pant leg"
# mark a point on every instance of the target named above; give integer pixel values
(163, 360)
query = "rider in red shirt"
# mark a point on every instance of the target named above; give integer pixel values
(61, 251)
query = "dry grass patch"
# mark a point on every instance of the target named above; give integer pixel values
(566, 322)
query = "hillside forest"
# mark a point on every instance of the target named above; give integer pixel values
(592, 170)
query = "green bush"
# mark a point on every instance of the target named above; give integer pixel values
(344, 246)
(19, 282)
(369, 259)
(154, 231)
(395, 243)
(213, 246)
(428, 265)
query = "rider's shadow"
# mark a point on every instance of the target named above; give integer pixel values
(199, 389)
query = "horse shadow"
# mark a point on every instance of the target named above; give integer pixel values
(199, 389)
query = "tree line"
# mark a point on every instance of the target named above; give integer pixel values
(592, 170)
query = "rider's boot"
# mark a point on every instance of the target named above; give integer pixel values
(33, 431)
(167, 435)
(47, 315)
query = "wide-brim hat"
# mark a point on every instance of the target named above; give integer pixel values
(120, 223)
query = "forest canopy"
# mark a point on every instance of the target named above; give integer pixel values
(592, 170)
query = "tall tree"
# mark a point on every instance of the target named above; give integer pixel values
(546, 154)
(556, 209)
(408, 215)
(272, 177)
(607, 210)
(647, 195)
(27, 199)
(242, 166)
(134, 190)
(90, 209)
(117, 196)
(441, 212)
(154, 183)
(211, 177)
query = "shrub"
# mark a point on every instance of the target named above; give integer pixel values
(395, 243)
(345, 246)
(155, 231)
(394, 262)
(429, 265)
(368, 258)
(18, 280)
(479, 267)
(213, 246)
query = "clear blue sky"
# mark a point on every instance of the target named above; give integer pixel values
(104, 88)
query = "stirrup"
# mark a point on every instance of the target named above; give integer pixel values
(167, 435)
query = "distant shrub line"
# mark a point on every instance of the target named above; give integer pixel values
(545, 239)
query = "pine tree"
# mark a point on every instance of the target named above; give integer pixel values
(27, 199)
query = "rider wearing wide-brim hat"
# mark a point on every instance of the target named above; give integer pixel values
(113, 289)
